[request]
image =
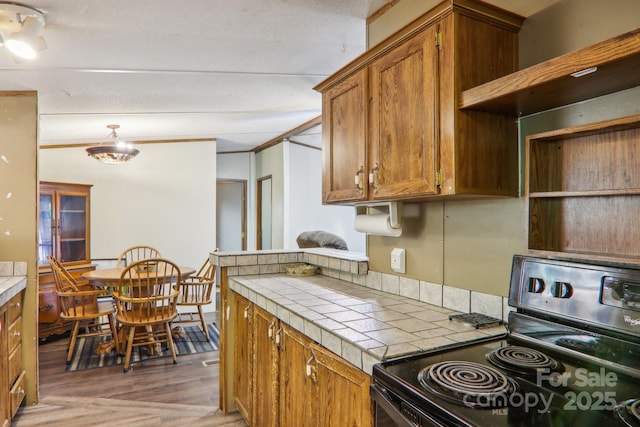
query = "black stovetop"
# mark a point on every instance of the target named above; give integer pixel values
(583, 316)
(584, 396)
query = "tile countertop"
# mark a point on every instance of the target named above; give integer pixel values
(11, 286)
(362, 325)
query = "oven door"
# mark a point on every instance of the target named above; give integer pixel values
(394, 411)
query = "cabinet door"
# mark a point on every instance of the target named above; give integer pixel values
(342, 391)
(344, 154)
(242, 356)
(265, 369)
(5, 407)
(64, 223)
(73, 228)
(296, 384)
(403, 137)
(46, 227)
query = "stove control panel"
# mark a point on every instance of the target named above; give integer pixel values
(621, 292)
(603, 296)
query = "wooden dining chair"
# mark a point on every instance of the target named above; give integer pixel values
(146, 304)
(79, 304)
(195, 292)
(137, 253)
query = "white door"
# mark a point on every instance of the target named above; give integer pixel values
(231, 211)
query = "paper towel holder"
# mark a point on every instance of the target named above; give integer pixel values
(392, 209)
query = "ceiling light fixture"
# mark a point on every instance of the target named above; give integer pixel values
(114, 152)
(20, 27)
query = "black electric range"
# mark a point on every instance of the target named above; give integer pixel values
(571, 357)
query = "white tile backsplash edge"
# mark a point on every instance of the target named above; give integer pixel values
(13, 268)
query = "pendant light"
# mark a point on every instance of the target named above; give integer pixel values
(114, 152)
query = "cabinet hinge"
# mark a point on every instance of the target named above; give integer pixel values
(438, 178)
(438, 39)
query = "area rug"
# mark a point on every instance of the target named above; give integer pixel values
(192, 340)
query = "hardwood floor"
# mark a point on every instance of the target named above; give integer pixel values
(153, 393)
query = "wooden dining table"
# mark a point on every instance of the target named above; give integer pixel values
(110, 278)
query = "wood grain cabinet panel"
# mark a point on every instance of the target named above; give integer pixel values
(294, 381)
(344, 151)
(265, 369)
(402, 127)
(298, 407)
(243, 351)
(12, 374)
(342, 391)
(418, 144)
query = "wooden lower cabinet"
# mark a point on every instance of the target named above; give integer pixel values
(11, 368)
(297, 403)
(243, 353)
(293, 381)
(342, 391)
(265, 369)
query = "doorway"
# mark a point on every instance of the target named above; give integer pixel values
(231, 214)
(263, 216)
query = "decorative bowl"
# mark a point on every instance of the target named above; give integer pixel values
(301, 269)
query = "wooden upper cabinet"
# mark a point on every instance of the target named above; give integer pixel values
(344, 153)
(402, 131)
(391, 122)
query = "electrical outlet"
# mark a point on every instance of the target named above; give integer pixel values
(398, 263)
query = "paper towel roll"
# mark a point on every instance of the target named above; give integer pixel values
(377, 224)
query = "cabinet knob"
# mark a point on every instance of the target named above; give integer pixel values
(374, 177)
(16, 334)
(46, 307)
(310, 371)
(270, 329)
(358, 178)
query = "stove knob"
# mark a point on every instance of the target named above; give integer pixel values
(536, 285)
(561, 290)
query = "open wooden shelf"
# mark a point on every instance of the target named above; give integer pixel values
(550, 84)
(583, 190)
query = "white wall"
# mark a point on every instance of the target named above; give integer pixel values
(165, 197)
(303, 195)
(242, 166)
(270, 162)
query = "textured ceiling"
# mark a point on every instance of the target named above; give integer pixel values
(240, 71)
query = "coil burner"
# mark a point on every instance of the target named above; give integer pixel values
(523, 360)
(629, 412)
(468, 383)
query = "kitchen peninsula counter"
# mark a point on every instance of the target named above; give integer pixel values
(10, 286)
(362, 325)
(360, 316)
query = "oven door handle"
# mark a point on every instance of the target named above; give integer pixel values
(380, 397)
